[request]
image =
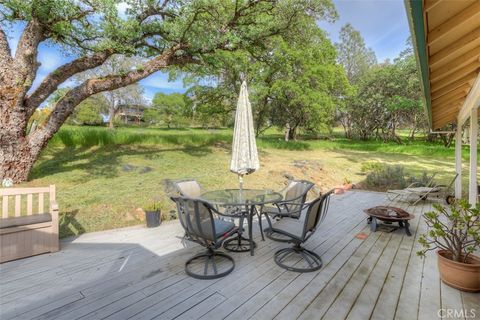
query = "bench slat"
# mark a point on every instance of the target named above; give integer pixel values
(5, 207)
(25, 227)
(40, 203)
(18, 205)
(29, 204)
(15, 191)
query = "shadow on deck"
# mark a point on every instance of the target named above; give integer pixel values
(139, 273)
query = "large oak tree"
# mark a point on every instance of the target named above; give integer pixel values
(168, 34)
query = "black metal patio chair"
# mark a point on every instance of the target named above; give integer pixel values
(196, 217)
(292, 205)
(298, 231)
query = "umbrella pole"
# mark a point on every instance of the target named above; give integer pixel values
(240, 181)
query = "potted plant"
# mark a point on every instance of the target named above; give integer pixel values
(347, 184)
(152, 215)
(455, 232)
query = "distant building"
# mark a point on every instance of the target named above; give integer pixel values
(131, 113)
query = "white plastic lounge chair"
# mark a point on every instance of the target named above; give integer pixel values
(415, 193)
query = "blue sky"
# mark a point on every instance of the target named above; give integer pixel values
(382, 23)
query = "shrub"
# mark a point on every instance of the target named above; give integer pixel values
(425, 180)
(387, 177)
(370, 166)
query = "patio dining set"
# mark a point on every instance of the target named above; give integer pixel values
(216, 219)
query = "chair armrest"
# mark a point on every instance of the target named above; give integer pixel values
(413, 184)
(289, 201)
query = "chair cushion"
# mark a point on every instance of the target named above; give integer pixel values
(222, 227)
(25, 220)
(290, 226)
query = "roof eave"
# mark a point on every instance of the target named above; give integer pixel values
(416, 23)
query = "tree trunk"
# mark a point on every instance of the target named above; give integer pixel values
(292, 133)
(17, 159)
(111, 117)
(18, 151)
(287, 132)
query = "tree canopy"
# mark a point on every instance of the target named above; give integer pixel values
(169, 109)
(167, 34)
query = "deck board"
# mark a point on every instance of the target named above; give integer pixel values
(137, 273)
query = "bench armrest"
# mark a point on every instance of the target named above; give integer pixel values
(55, 221)
(54, 205)
(54, 209)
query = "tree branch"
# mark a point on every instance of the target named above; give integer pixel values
(25, 56)
(62, 73)
(71, 99)
(5, 53)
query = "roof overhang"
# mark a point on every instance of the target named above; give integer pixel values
(446, 40)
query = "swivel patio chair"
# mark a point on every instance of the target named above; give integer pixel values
(298, 231)
(292, 205)
(190, 188)
(201, 227)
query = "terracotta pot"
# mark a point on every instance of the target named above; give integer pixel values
(463, 276)
(348, 186)
(339, 190)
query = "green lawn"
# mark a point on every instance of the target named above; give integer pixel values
(104, 176)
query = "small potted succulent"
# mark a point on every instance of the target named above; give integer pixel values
(455, 232)
(153, 215)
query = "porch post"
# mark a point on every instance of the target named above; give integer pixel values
(472, 192)
(458, 162)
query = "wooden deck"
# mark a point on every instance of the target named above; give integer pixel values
(138, 273)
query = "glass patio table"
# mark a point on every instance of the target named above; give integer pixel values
(241, 203)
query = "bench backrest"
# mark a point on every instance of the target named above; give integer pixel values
(13, 200)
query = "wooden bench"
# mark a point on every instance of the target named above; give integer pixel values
(27, 229)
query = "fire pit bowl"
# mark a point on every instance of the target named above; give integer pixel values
(388, 214)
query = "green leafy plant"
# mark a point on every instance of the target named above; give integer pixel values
(153, 206)
(455, 228)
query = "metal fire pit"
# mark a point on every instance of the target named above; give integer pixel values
(389, 215)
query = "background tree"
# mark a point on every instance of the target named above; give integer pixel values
(170, 109)
(388, 98)
(353, 54)
(296, 83)
(211, 107)
(168, 34)
(88, 112)
(357, 59)
(306, 86)
(129, 95)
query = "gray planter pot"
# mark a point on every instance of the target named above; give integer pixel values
(153, 218)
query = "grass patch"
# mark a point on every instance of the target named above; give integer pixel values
(104, 176)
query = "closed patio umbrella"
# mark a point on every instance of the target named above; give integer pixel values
(244, 148)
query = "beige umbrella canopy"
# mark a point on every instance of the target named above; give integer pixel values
(244, 149)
